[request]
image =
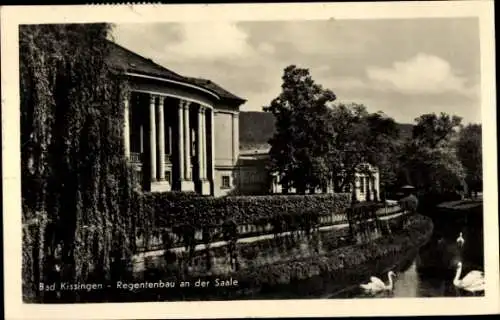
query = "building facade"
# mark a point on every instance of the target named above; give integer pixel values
(181, 133)
(253, 178)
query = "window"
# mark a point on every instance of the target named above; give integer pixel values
(362, 187)
(168, 176)
(226, 182)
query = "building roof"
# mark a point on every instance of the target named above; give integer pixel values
(129, 61)
(210, 85)
(126, 60)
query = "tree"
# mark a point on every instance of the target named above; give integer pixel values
(348, 148)
(360, 138)
(469, 151)
(429, 161)
(76, 189)
(302, 138)
(432, 130)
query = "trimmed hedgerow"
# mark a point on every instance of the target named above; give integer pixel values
(170, 209)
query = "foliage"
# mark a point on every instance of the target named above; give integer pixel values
(432, 130)
(316, 142)
(361, 137)
(169, 210)
(73, 171)
(432, 170)
(337, 262)
(409, 203)
(429, 161)
(341, 266)
(469, 151)
(301, 140)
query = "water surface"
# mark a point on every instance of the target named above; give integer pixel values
(430, 273)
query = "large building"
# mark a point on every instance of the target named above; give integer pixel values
(253, 178)
(182, 133)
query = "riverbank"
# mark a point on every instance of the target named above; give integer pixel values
(293, 277)
(308, 277)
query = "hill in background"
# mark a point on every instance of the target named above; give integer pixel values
(256, 128)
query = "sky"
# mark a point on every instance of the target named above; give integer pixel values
(402, 67)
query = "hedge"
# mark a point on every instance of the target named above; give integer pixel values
(170, 209)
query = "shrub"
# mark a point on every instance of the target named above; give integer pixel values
(409, 203)
(170, 209)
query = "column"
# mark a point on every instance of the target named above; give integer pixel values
(212, 148)
(236, 138)
(187, 142)
(180, 136)
(201, 133)
(152, 136)
(161, 133)
(126, 126)
(204, 144)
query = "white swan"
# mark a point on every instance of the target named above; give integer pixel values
(472, 282)
(460, 240)
(377, 285)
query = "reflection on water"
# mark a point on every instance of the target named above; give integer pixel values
(431, 272)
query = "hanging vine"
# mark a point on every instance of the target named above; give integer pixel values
(73, 171)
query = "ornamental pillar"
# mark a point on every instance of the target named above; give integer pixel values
(152, 136)
(204, 148)
(180, 136)
(212, 149)
(161, 135)
(187, 142)
(199, 145)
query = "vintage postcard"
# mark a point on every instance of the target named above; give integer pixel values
(253, 160)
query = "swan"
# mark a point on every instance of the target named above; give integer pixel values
(460, 240)
(377, 285)
(472, 282)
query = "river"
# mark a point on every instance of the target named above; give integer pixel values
(430, 273)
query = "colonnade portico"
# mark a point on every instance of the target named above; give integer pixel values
(190, 141)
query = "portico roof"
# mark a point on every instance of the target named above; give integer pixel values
(210, 85)
(127, 61)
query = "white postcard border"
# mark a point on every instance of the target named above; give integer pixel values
(11, 17)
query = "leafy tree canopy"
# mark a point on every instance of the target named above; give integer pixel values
(360, 137)
(302, 135)
(429, 161)
(469, 151)
(432, 129)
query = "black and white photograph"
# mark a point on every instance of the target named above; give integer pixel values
(249, 157)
